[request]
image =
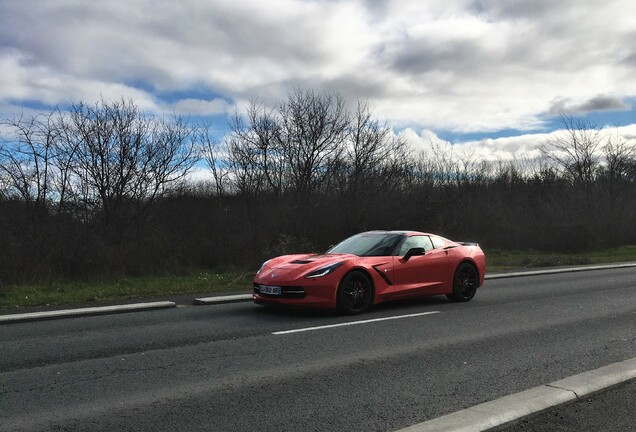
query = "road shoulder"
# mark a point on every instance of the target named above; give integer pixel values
(489, 415)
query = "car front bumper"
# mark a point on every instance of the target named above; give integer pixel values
(308, 295)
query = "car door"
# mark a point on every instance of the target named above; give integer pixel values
(420, 274)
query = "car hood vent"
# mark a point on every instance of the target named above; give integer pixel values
(299, 261)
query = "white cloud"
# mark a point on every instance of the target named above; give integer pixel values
(202, 107)
(455, 65)
(200, 174)
(22, 80)
(501, 149)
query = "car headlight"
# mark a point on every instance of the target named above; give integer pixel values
(323, 271)
(262, 267)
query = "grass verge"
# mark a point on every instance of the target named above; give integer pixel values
(502, 260)
(64, 292)
(61, 292)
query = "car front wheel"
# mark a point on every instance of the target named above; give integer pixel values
(355, 293)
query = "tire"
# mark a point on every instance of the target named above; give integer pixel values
(355, 293)
(464, 283)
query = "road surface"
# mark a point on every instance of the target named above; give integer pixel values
(237, 366)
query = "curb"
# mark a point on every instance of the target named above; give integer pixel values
(71, 313)
(222, 299)
(559, 270)
(509, 408)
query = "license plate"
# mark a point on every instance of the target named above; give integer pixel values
(271, 290)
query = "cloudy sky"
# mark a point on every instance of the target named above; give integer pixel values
(495, 73)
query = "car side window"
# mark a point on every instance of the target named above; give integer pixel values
(438, 242)
(416, 241)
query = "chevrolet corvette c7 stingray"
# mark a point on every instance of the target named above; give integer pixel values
(370, 268)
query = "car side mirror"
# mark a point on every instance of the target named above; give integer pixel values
(413, 252)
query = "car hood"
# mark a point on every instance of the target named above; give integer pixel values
(293, 266)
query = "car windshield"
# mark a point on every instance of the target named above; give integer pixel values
(368, 244)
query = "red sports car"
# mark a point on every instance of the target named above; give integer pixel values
(370, 268)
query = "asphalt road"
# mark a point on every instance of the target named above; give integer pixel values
(222, 368)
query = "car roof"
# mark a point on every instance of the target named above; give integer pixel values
(404, 232)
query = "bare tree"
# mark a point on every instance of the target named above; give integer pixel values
(620, 157)
(245, 166)
(293, 148)
(215, 153)
(373, 163)
(67, 183)
(575, 149)
(312, 133)
(373, 153)
(125, 159)
(257, 140)
(26, 157)
(168, 155)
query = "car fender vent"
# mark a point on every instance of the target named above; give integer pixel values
(299, 261)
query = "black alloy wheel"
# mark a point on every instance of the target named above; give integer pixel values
(355, 293)
(464, 283)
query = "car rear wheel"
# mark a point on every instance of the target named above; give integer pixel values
(464, 283)
(355, 293)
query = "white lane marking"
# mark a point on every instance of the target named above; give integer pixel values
(353, 323)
